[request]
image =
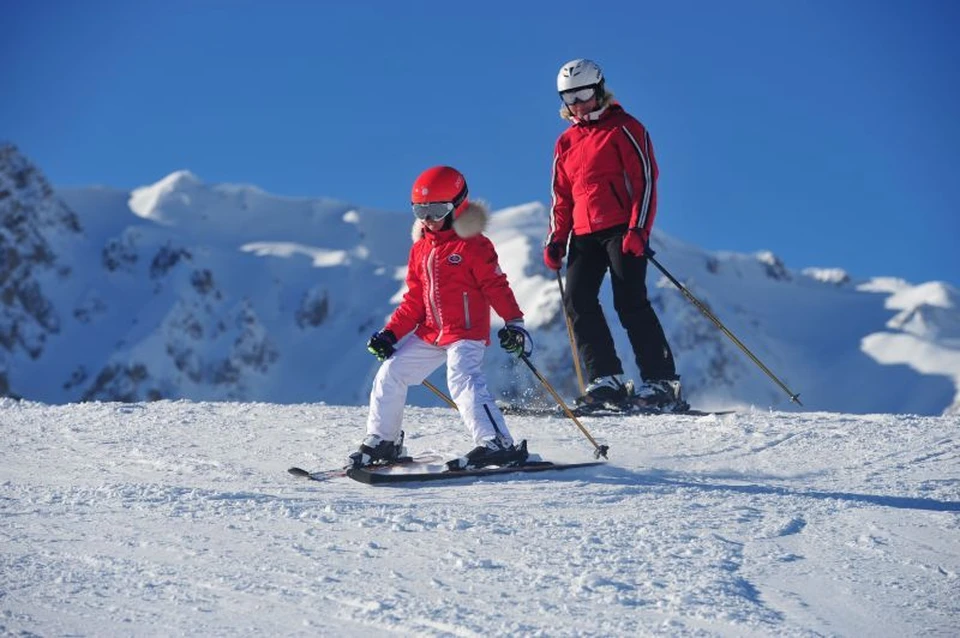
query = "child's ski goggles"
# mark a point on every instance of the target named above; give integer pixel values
(434, 211)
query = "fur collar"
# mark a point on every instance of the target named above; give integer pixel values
(471, 222)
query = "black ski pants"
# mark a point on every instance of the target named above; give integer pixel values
(591, 256)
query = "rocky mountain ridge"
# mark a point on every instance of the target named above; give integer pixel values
(182, 289)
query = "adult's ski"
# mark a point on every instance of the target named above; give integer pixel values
(604, 410)
(639, 410)
(383, 476)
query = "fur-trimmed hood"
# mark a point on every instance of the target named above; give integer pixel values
(471, 222)
(593, 116)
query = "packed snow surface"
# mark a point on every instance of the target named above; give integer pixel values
(179, 518)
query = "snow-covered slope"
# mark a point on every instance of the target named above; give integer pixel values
(178, 518)
(186, 289)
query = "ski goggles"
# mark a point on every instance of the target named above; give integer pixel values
(434, 211)
(578, 95)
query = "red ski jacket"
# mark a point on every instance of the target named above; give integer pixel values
(604, 175)
(452, 283)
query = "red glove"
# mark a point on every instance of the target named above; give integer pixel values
(635, 242)
(553, 254)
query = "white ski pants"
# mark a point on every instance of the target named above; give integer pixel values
(413, 362)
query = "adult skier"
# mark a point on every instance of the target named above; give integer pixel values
(453, 279)
(604, 203)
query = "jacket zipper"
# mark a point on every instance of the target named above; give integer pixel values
(432, 291)
(466, 311)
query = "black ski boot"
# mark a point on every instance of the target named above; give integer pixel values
(610, 394)
(607, 391)
(493, 452)
(376, 451)
(663, 395)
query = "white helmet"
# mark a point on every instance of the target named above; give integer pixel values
(578, 74)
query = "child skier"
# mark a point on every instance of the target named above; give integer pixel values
(453, 279)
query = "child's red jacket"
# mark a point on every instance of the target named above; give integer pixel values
(452, 282)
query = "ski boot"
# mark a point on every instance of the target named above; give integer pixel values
(605, 393)
(376, 451)
(663, 395)
(492, 452)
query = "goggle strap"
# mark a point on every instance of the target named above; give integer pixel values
(462, 195)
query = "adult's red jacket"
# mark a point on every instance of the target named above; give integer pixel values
(604, 175)
(452, 282)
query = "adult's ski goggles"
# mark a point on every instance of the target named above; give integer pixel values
(578, 95)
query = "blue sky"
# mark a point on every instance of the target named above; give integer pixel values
(827, 132)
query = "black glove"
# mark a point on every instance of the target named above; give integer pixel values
(381, 344)
(515, 340)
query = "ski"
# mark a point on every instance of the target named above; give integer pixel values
(632, 409)
(325, 475)
(383, 476)
(319, 475)
(604, 410)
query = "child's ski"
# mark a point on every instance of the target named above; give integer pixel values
(381, 476)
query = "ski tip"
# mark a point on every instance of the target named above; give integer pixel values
(298, 471)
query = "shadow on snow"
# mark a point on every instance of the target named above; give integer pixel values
(666, 478)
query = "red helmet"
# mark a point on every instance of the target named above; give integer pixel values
(437, 192)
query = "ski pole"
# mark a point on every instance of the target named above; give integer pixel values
(573, 340)
(600, 450)
(437, 391)
(709, 315)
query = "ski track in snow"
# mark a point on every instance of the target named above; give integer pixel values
(178, 518)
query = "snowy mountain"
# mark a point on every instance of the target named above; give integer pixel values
(36, 229)
(182, 289)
